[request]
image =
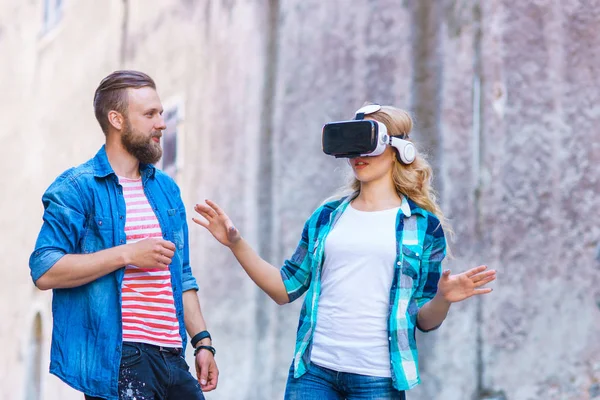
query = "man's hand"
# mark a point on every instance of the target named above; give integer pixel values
(150, 253)
(206, 370)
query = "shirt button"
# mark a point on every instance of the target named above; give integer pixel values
(120, 217)
(398, 263)
(99, 222)
(389, 338)
(417, 254)
(122, 241)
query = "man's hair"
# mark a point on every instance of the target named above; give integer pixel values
(111, 94)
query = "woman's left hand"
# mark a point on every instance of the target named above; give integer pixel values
(459, 287)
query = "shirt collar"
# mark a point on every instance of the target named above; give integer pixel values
(102, 167)
(407, 207)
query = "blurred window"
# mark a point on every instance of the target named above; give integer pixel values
(52, 13)
(33, 382)
(169, 142)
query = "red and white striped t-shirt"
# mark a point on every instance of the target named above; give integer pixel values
(148, 308)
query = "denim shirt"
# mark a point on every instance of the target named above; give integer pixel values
(84, 212)
(420, 249)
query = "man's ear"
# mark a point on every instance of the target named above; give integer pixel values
(116, 119)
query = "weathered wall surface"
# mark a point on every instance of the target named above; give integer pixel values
(505, 97)
(47, 82)
(541, 71)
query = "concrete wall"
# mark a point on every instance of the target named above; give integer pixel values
(47, 84)
(504, 96)
(541, 68)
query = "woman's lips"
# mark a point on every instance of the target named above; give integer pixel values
(359, 163)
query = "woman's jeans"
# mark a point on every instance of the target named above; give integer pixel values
(320, 383)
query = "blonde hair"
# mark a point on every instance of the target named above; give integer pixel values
(412, 180)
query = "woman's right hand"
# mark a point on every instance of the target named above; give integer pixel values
(217, 223)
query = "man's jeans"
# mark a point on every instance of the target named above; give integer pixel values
(151, 372)
(320, 383)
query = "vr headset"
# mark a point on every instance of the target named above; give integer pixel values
(363, 138)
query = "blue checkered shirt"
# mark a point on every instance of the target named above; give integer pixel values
(421, 247)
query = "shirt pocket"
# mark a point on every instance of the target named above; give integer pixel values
(176, 224)
(411, 271)
(98, 234)
(411, 264)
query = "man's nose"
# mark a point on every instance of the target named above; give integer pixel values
(161, 125)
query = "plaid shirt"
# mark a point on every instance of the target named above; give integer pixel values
(421, 247)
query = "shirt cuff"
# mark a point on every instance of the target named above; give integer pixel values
(189, 284)
(42, 261)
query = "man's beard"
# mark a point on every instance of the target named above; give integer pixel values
(140, 146)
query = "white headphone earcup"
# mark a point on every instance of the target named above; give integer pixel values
(405, 150)
(408, 153)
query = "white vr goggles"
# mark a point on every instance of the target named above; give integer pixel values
(363, 138)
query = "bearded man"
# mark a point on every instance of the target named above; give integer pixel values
(113, 247)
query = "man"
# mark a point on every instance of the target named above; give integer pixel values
(114, 249)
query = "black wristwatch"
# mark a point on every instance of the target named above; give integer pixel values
(209, 348)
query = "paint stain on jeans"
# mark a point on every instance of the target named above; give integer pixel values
(131, 388)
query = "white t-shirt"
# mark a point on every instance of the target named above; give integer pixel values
(352, 319)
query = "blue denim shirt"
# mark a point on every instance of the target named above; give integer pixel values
(84, 212)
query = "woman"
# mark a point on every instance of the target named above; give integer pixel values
(371, 266)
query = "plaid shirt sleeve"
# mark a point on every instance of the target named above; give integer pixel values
(296, 271)
(431, 263)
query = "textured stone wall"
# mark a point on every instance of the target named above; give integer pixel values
(47, 80)
(505, 98)
(539, 205)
